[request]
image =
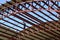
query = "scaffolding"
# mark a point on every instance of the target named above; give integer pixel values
(31, 12)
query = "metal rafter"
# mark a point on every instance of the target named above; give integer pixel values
(31, 19)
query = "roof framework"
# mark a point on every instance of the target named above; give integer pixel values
(27, 14)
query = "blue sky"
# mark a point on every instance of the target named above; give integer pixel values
(3, 1)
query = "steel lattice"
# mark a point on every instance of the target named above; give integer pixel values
(26, 14)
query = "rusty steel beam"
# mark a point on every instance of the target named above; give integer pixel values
(42, 33)
(45, 14)
(36, 19)
(57, 6)
(27, 14)
(30, 19)
(5, 36)
(31, 16)
(8, 34)
(9, 26)
(52, 8)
